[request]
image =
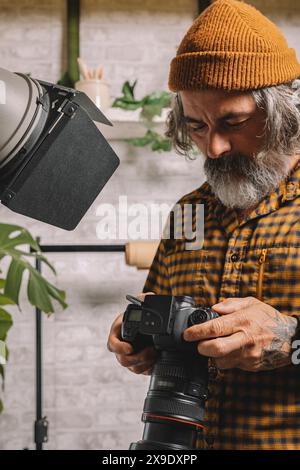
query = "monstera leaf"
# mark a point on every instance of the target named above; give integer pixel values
(17, 244)
(39, 290)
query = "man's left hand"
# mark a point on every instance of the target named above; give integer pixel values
(249, 335)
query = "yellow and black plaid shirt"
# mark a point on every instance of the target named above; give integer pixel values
(260, 257)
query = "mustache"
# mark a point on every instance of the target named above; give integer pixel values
(234, 163)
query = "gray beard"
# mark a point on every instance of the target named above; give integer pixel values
(241, 182)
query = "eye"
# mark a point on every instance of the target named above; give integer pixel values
(236, 125)
(195, 127)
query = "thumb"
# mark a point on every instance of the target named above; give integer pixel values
(142, 295)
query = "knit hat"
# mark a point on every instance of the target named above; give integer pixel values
(232, 46)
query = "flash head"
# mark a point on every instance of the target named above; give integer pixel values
(54, 161)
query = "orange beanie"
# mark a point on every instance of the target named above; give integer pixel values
(232, 46)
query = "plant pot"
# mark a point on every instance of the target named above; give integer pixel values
(97, 90)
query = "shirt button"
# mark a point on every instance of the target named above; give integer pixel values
(213, 373)
(235, 257)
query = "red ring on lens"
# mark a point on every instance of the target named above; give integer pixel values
(173, 419)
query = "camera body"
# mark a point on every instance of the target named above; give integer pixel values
(161, 320)
(174, 407)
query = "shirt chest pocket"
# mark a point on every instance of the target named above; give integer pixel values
(273, 276)
(186, 270)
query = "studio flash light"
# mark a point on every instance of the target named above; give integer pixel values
(54, 161)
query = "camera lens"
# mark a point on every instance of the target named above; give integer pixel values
(174, 407)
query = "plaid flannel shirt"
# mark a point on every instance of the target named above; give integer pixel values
(258, 256)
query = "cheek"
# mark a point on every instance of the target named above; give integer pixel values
(199, 142)
(249, 143)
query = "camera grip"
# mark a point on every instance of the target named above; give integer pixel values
(140, 341)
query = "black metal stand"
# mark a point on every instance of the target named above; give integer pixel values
(41, 423)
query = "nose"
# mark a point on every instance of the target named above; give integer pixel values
(217, 145)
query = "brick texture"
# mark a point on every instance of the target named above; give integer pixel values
(91, 401)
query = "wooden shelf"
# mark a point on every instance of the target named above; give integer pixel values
(128, 124)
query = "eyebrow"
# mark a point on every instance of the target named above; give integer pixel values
(189, 119)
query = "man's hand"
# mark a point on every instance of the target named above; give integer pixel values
(139, 363)
(249, 335)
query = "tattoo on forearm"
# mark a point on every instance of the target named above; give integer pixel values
(277, 354)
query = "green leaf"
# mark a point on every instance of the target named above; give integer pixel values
(6, 300)
(154, 104)
(57, 294)
(127, 101)
(127, 105)
(36, 255)
(162, 145)
(5, 323)
(13, 235)
(151, 110)
(10, 237)
(128, 90)
(142, 141)
(38, 294)
(151, 106)
(157, 142)
(14, 280)
(40, 291)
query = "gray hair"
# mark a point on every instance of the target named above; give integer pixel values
(282, 127)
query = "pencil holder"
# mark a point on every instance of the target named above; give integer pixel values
(97, 90)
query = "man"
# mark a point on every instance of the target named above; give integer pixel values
(238, 101)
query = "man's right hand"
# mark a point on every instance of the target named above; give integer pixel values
(139, 363)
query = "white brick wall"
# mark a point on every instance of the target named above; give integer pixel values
(92, 402)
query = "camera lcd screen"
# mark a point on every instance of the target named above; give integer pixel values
(135, 315)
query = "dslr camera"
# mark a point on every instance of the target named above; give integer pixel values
(174, 407)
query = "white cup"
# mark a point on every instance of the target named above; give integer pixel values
(97, 90)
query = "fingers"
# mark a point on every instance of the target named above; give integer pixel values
(148, 356)
(222, 326)
(148, 371)
(220, 347)
(234, 319)
(139, 363)
(114, 343)
(142, 295)
(233, 304)
(144, 369)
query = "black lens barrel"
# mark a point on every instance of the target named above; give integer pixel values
(174, 407)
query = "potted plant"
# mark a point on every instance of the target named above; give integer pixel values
(151, 106)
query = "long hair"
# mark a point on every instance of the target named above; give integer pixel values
(282, 127)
